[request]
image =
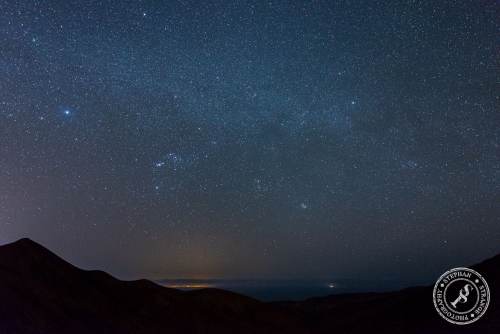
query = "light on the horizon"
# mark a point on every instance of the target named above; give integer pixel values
(190, 286)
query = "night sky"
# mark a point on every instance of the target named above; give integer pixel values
(252, 139)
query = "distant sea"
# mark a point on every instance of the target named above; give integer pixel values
(274, 290)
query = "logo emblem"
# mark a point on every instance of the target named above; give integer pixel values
(461, 296)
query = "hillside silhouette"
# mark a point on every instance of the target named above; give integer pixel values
(42, 293)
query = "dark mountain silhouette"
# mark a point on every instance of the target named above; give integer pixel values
(410, 310)
(41, 293)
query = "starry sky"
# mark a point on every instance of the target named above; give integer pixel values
(252, 139)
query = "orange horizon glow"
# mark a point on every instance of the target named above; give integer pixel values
(189, 286)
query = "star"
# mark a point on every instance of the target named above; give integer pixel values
(160, 164)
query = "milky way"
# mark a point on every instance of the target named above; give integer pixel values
(252, 139)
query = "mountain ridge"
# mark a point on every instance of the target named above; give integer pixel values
(42, 293)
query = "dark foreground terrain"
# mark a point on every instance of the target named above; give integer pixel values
(41, 293)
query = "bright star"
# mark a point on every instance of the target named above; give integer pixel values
(160, 164)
